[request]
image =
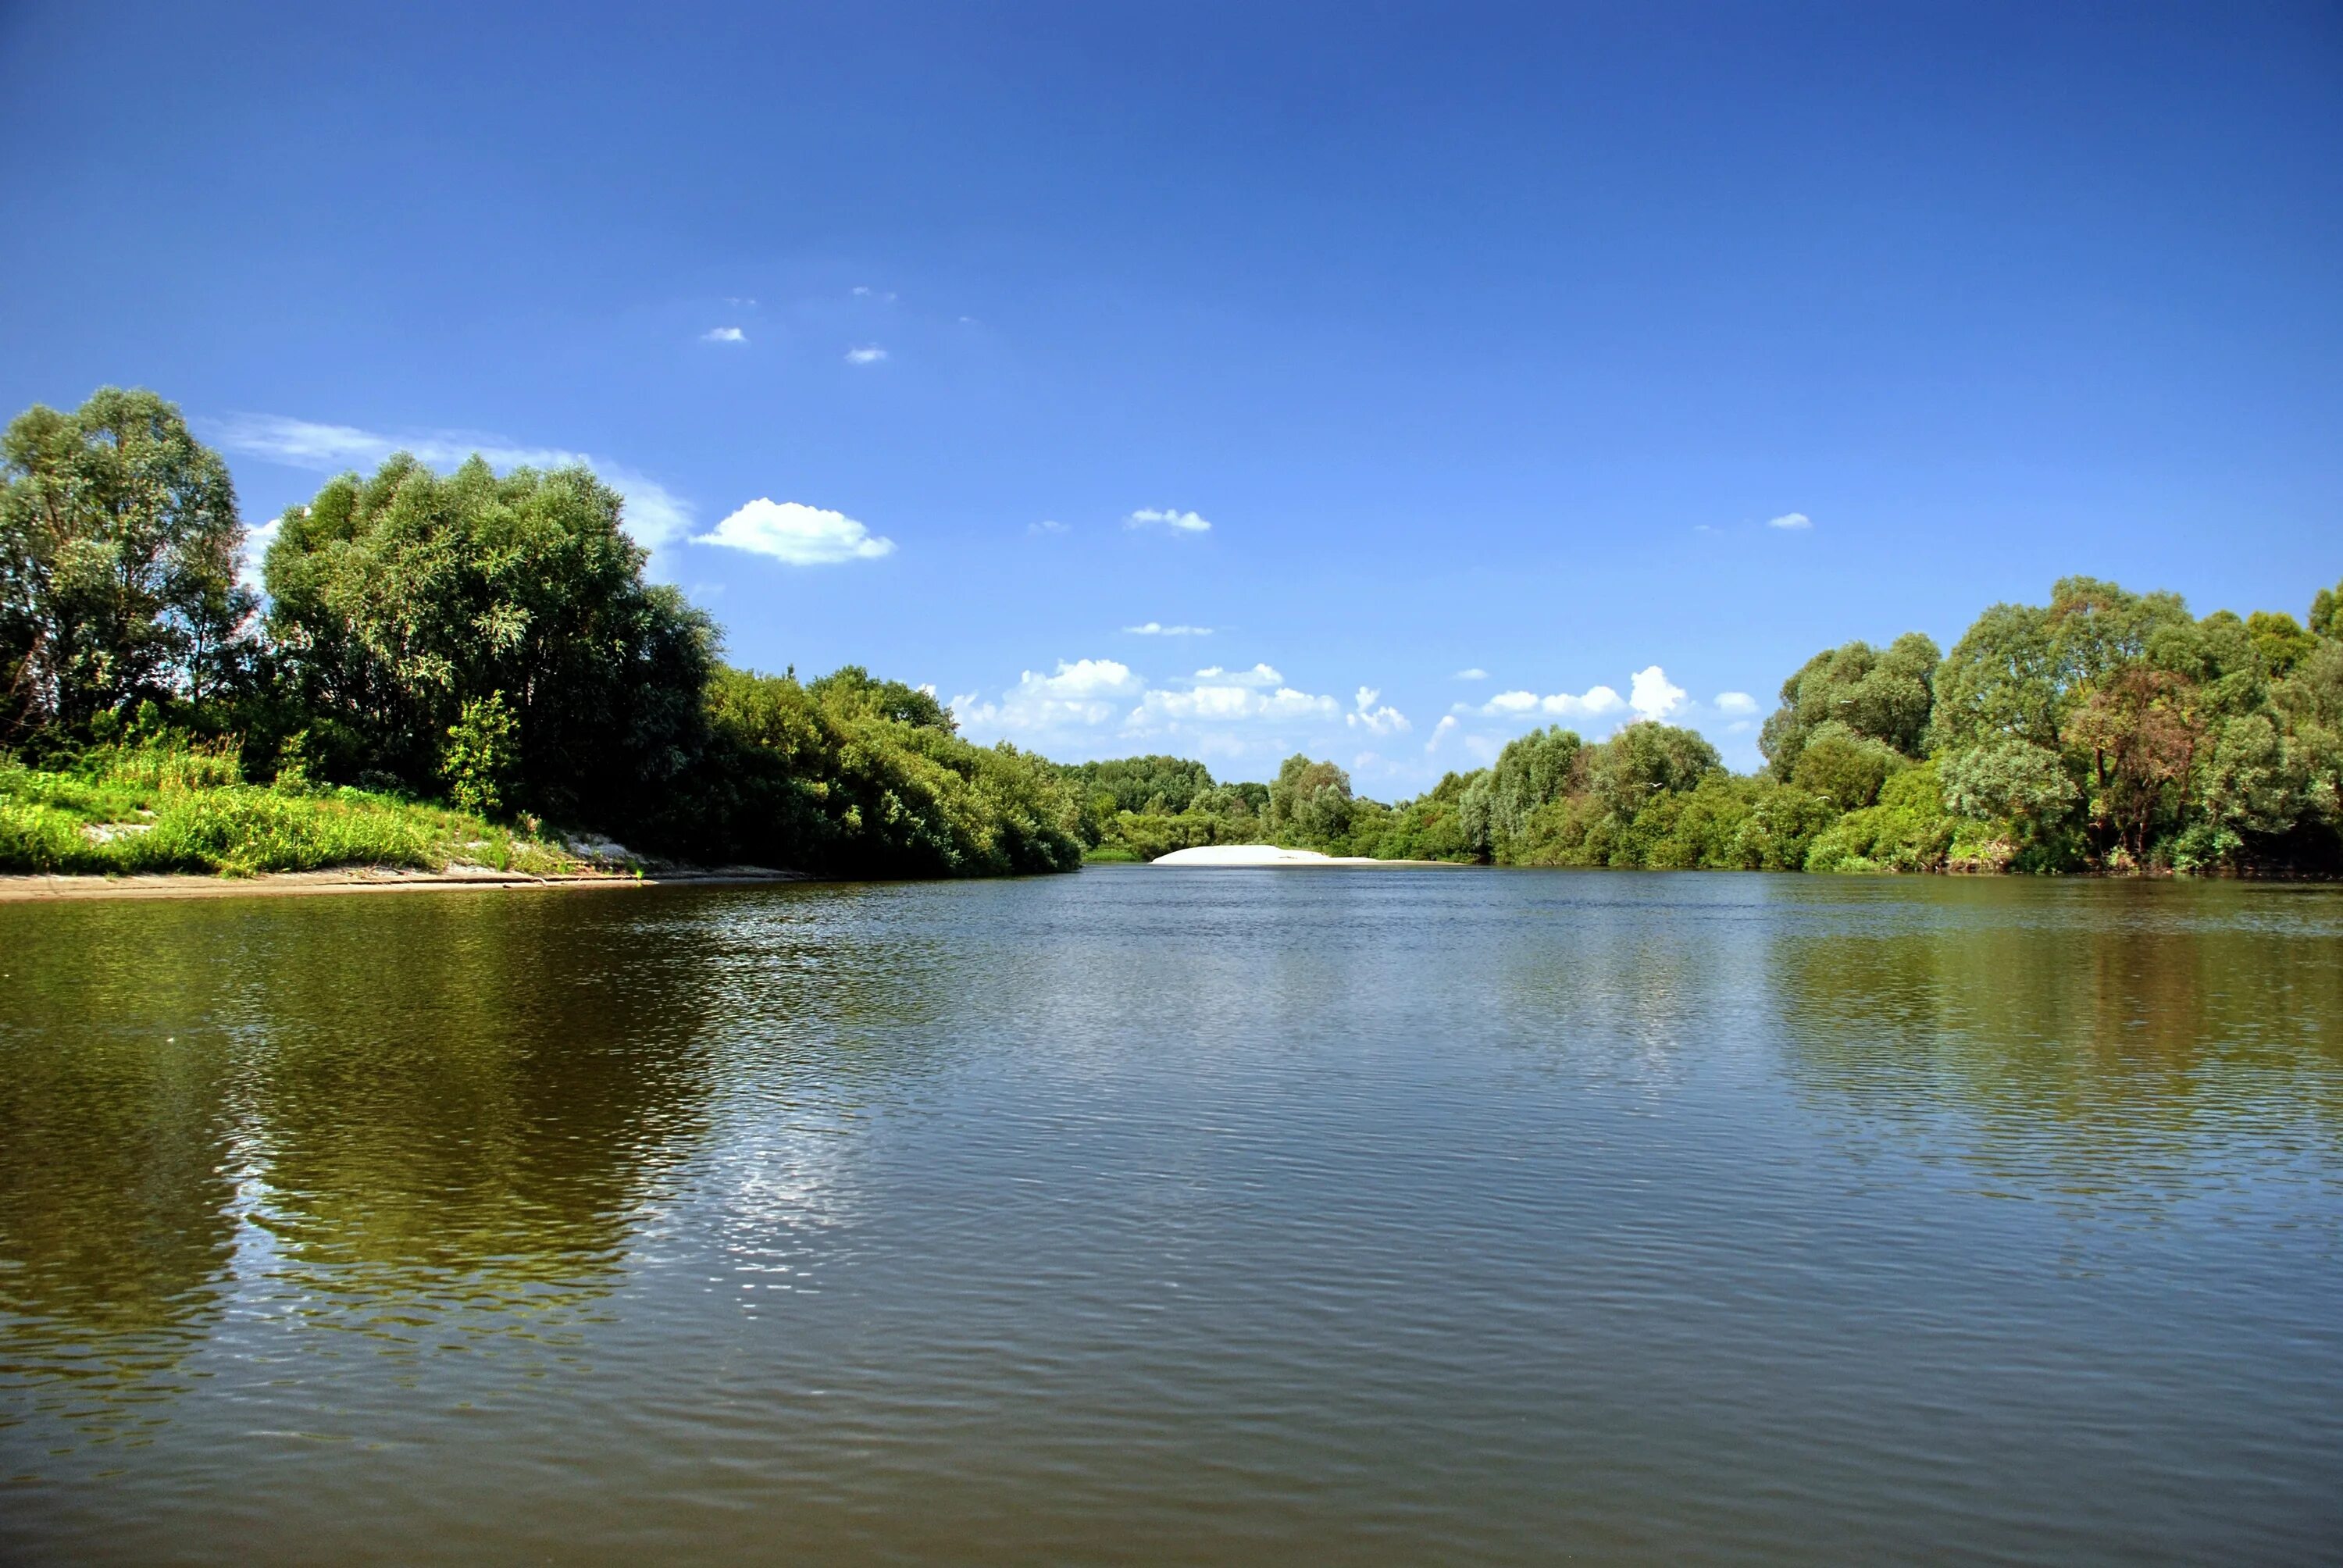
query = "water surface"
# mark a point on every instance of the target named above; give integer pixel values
(1178, 1216)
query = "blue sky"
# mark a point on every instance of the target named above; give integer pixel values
(1386, 343)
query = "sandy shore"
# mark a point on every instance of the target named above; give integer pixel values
(1256, 855)
(364, 880)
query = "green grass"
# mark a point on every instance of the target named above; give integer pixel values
(174, 807)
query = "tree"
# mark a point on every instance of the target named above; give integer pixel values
(2141, 739)
(118, 544)
(1645, 759)
(1310, 800)
(1531, 772)
(2008, 779)
(1844, 766)
(1885, 697)
(399, 599)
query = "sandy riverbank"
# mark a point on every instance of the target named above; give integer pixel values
(364, 880)
(1258, 855)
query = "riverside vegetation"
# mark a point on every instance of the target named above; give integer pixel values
(445, 664)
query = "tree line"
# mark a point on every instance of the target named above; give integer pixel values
(487, 640)
(2104, 731)
(490, 640)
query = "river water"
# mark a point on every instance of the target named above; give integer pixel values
(1157, 1216)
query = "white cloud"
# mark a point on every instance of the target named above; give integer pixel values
(1178, 522)
(1651, 695)
(1791, 520)
(1157, 629)
(1735, 702)
(865, 354)
(1161, 709)
(655, 516)
(800, 535)
(1440, 732)
(1475, 673)
(256, 547)
(886, 296)
(1046, 526)
(1595, 703)
(724, 335)
(1259, 674)
(1376, 720)
(1082, 694)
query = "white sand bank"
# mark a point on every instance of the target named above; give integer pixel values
(1267, 855)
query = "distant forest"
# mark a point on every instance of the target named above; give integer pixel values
(488, 642)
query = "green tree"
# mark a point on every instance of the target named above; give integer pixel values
(1885, 696)
(118, 544)
(1533, 770)
(1844, 766)
(1309, 801)
(397, 599)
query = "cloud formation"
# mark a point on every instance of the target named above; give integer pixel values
(1792, 521)
(1157, 629)
(724, 335)
(1374, 717)
(1083, 694)
(799, 535)
(1046, 526)
(1178, 522)
(1735, 702)
(865, 354)
(654, 517)
(255, 549)
(1440, 732)
(1650, 695)
(1475, 673)
(1103, 704)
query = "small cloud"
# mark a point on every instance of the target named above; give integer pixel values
(1046, 526)
(884, 296)
(256, 548)
(724, 335)
(1259, 674)
(800, 535)
(1475, 673)
(1376, 720)
(1157, 629)
(1651, 695)
(1793, 520)
(1735, 702)
(1440, 732)
(740, 299)
(865, 354)
(1178, 522)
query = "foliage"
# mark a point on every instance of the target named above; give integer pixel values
(118, 542)
(482, 754)
(847, 777)
(398, 600)
(1883, 696)
(166, 804)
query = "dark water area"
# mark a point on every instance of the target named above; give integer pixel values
(1154, 1216)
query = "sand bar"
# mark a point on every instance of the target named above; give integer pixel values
(1257, 855)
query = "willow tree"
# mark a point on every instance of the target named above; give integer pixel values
(118, 544)
(495, 627)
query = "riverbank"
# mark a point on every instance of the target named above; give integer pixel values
(368, 879)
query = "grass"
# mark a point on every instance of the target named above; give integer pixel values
(172, 807)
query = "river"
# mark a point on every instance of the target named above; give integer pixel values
(1158, 1216)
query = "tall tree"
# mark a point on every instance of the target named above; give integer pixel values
(399, 599)
(118, 543)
